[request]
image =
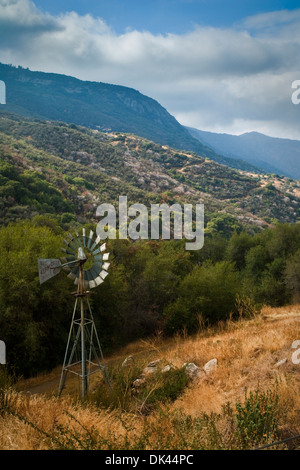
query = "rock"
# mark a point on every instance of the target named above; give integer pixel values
(154, 363)
(148, 371)
(138, 382)
(210, 366)
(129, 360)
(280, 363)
(192, 370)
(151, 368)
(167, 368)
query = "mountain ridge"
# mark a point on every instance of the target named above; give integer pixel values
(271, 154)
(101, 106)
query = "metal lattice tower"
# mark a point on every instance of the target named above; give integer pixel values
(86, 263)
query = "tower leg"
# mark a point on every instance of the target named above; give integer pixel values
(83, 359)
(85, 340)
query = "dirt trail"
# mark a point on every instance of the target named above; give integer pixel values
(50, 386)
(44, 387)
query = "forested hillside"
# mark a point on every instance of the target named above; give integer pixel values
(67, 171)
(152, 286)
(53, 177)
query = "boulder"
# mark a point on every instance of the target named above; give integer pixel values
(192, 371)
(150, 368)
(210, 366)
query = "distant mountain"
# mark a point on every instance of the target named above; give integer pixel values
(274, 155)
(99, 106)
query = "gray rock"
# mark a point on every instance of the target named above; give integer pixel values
(192, 370)
(167, 368)
(154, 363)
(210, 366)
(148, 371)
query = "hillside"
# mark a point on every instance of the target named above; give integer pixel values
(100, 106)
(273, 155)
(67, 170)
(214, 411)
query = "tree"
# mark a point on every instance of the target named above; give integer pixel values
(208, 291)
(33, 318)
(292, 275)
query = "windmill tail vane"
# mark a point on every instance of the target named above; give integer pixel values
(86, 262)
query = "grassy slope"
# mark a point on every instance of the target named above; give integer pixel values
(247, 353)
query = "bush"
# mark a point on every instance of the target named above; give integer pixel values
(257, 419)
(173, 384)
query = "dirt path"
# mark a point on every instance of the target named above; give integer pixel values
(45, 387)
(50, 386)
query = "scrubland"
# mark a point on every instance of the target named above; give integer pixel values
(248, 401)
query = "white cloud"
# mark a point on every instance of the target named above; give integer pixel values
(209, 78)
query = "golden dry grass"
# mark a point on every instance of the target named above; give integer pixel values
(247, 352)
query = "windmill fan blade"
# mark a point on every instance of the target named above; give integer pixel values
(48, 268)
(103, 274)
(74, 274)
(98, 281)
(73, 241)
(105, 256)
(90, 239)
(83, 236)
(95, 243)
(105, 266)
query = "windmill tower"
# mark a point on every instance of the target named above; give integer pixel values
(86, 263)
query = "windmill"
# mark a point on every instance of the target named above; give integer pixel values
(86, 262)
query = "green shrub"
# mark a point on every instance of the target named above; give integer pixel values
(173, 384)
(257, 419)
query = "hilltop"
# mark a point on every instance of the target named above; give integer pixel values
(101, 106)
(250, 399)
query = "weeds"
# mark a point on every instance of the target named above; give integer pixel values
(257, 419)
(245, 426)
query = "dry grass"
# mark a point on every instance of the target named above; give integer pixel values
(247, 352)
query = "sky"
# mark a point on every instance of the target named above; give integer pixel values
(216, 65)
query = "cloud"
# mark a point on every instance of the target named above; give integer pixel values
(21, 21)
(213, 79)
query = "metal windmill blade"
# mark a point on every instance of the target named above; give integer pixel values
(93, 252)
